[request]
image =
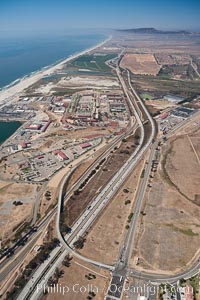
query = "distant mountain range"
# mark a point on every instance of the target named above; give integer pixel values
(153, 31)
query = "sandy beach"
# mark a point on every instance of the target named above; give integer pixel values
(15, 90)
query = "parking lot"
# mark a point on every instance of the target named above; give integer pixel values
(43, 165)
(169, 121)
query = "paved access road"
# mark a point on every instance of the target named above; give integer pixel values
(127, 247)
(160, 278)
(81, 225)
(97, 205)
(10, 263)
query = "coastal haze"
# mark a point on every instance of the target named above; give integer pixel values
(29, 61)
(24, 57)
(99, 150)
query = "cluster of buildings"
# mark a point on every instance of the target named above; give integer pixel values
(101, 109)
(173, 99)
(19, 147)
(168, 97)
(59, 104)
(169, 120)
(81, 110)
(182, 293)
(17, 112)
(25, 136)
(24, 110)
(186, 292)
(40, 126)
(96, 109)
(42, 166)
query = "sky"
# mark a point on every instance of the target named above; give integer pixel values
(35, 15)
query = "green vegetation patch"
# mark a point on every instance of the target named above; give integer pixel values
(142, 174)
(194, 281)
(147, 96)
(165, 72)
(93, 62)
(188, 231)
(164, 76)
(26, 170)
(65, 91)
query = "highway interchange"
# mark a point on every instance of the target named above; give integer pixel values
(120, 271)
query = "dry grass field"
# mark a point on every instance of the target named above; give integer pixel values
(105, 239)
(169, 235)
(140, 64)
(164, 59)
(184, 173)
(11, 216)
(78, 202)
(79, 286)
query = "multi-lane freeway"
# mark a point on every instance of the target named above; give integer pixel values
(100, 202)
(127, 246)
(121, 269)
(87, 218)
(10, 263)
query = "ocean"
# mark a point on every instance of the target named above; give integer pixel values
(22, 55)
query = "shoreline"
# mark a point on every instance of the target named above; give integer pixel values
(26, 81)
(13, 120)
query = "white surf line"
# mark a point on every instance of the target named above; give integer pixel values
(27, 81)
(193, 149)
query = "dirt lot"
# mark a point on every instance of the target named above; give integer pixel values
(77, 134)
(78, 81)
(8, 170)
(172, 59)
(78, 202)
(159, 104)
(191, 127)
(169, 234)
(79, 285)
(156, 106)
(140, 64)
(105, 239)
(164, 59)
(12, 216)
